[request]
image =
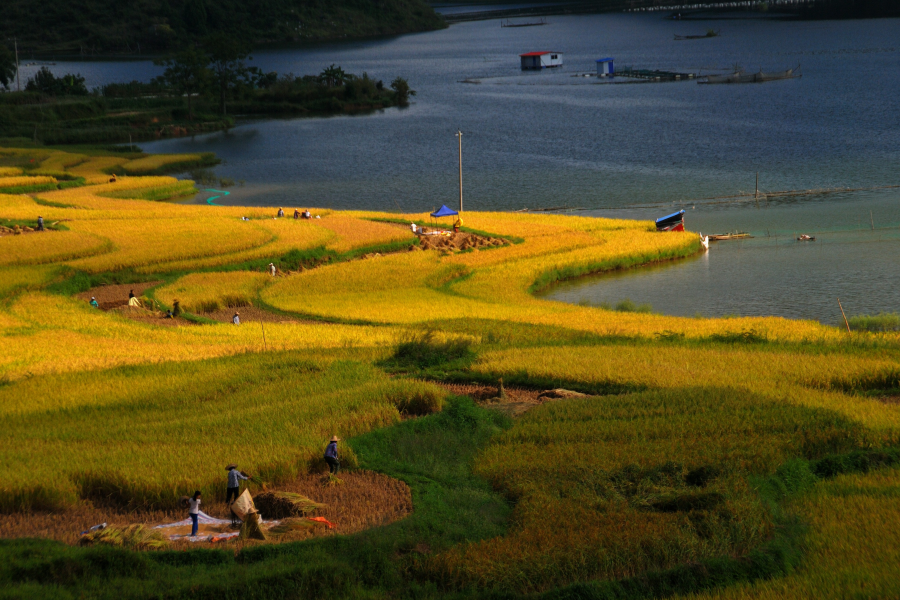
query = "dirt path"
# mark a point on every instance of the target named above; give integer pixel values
(365, 499)
(517, 402)
(111, 296)
(458, 242)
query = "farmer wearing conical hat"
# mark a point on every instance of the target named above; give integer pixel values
(331, 455)
(234, 482)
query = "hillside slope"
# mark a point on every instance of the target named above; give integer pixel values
(92, 27)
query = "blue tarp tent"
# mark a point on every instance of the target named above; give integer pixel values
(443, 211)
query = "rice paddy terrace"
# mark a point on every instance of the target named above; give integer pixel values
(727, 458)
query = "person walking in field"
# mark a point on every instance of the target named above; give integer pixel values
(132, 299)
(40, 226)
(234, 482)
(94, 302)
(331, 455)
(296, 213)
(272, 269)
(194, 512)
(236, 319)
(280, 212)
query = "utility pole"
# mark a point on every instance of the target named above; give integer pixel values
(459, 135)
(18, 85)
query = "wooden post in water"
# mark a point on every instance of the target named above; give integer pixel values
(459, 136)
(843, 314)
(872, 219)
(757, 186)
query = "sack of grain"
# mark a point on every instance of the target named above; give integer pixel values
(243, 506)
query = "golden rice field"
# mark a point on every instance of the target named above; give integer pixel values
(206, 292)
(69, 444)
(24, 180)
(104, 408)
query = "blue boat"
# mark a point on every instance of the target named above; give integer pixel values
(673, 222)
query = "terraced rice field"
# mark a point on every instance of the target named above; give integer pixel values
(707, 442)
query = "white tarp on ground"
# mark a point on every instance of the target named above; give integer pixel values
(202, 519)
(206, 537)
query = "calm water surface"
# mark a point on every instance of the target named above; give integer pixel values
(554, 139)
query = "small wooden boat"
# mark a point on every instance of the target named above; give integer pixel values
(709, 34)
(673, 222)
(806, 238)
(735, 235)
(509, 23)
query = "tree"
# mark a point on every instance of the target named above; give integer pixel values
(333, 77)
(226, 62)
(46, 83)
(7, 66)
(402, 92)
(186, 73)
(195, 16)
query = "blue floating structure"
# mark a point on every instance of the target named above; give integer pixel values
(605, 67)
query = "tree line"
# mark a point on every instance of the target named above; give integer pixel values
(217, 68)
(106, 27)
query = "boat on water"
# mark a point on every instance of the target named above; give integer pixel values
(673, 222)
(734, 235)
(709, 34)
(806, 238)
(761, 77)
(509, 23)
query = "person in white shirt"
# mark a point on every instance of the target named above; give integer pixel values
(236, 319)
(194, 511)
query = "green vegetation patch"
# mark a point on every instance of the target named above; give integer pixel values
(664, 478)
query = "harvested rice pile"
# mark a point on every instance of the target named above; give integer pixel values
(133, 537)
(251, 530)
(460, 241)
(365, 499)
(281, 505)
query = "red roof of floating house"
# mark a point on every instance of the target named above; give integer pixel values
(538, 53)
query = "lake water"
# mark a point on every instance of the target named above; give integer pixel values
(551, 138)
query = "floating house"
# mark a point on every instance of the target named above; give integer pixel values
(541, 60)
(605, 67)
